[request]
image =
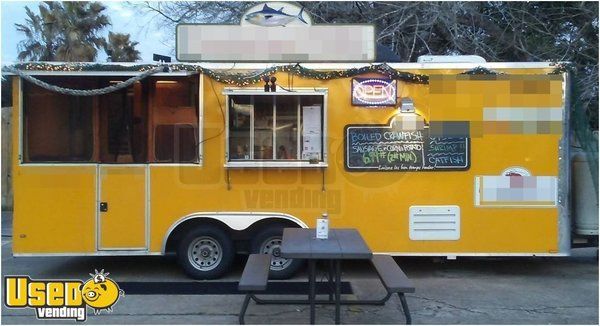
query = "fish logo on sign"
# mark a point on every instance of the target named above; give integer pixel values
(269, 17)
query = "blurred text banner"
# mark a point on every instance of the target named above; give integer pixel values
(233, 43)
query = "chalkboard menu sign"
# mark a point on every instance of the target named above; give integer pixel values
(382, 148)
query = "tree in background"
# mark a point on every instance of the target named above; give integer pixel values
(169, 14)
(41, 35)
(120, 48)
(498, 31)
(81, 22)
(63, 31)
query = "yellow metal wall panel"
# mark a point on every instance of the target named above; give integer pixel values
(54, 206)
(179, 191)
(54, 209)
(377, 203)
(123, 225)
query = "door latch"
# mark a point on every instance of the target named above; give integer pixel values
(104, 206)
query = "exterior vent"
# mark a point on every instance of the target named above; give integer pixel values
(434, 223)
(450, 59)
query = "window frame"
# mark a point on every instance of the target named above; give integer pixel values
(200, 114)
(200, 130)
(21, 130)
(253, 163)
(175, 128)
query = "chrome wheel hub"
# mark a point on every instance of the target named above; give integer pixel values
(272, 246)
(205, 253)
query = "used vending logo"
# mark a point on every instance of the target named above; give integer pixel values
(62, 299)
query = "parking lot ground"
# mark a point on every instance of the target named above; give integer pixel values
(532, 290)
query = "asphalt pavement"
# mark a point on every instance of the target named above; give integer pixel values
(533, 290)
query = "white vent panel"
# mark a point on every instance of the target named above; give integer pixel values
(434, 223)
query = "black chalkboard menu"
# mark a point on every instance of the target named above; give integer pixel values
(382, 148)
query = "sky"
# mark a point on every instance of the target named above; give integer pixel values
(123, 19)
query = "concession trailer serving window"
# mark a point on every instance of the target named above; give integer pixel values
(276, 130)
(152, 121)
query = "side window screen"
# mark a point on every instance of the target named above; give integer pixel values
(176, 143)
(152, 121)
(57, 128)
(170, 93)
(174, 121)
(123, 125)
(240, 114)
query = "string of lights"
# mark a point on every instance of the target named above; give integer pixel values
(559, 68)
(239, 79)
(562, 67)
(253, 77)
(481, 71)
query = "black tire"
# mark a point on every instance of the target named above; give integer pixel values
(205, 252)
(268, 241)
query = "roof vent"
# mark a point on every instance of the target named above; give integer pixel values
(450, 59)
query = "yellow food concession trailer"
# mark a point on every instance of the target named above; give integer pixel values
(210, 159)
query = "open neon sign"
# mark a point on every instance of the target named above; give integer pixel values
(373, 92)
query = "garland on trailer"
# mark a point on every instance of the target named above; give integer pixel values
(561, 67)
(239, 79)
(83, 92)
(81, 66)
(481, 71)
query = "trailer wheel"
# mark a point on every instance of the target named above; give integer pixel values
(206, 252)
(268, 241)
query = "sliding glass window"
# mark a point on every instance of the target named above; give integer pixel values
(276, 128)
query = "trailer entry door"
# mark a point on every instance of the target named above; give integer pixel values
(122, 207)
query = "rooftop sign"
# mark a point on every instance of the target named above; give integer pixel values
(276, 32)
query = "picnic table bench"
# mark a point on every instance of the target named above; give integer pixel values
(254, 280)
(394, 280)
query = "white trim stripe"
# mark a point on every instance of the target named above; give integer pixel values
(477, 254)
(402, 254)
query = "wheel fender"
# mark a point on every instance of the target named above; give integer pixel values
(235, 220)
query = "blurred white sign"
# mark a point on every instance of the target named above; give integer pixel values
(276, 32)
(311, 132)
